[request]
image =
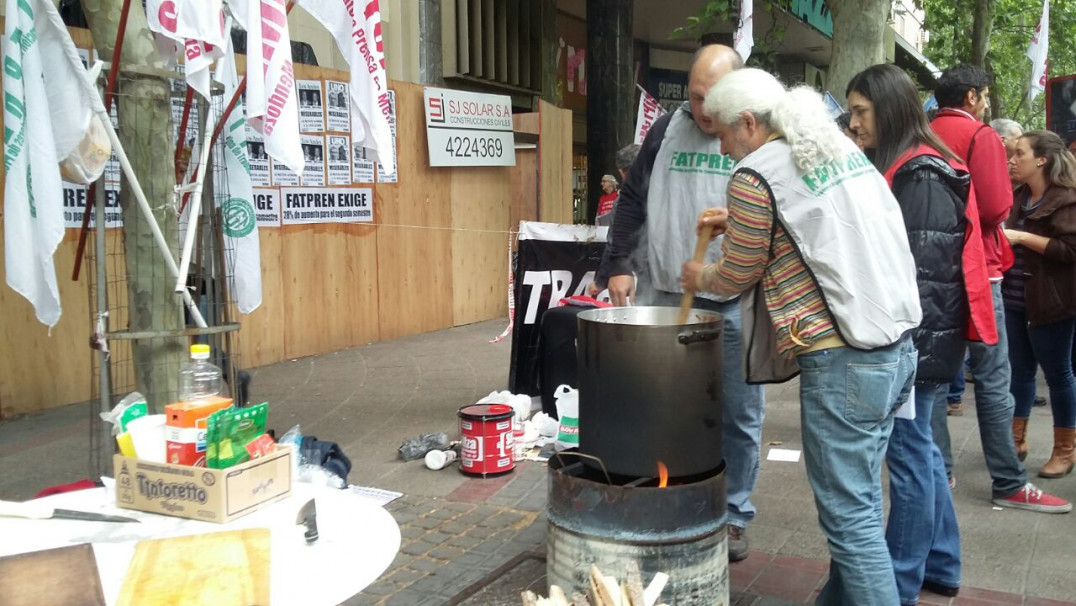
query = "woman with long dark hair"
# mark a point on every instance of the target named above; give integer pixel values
(940, 216)
(1040, 289)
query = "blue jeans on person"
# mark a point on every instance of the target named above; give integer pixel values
(1049, 346)
(742, 415)
(991, 370)
(958, 384)
(847, 401)
(922, 533)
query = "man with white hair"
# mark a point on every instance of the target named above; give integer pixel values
(1010, 132)
(816, 242)
(678, 173)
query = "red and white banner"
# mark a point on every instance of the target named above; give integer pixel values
(356, 26)
(649, 111)
(196, 27)
(272, 103)
(1038, 51)
(744, 38)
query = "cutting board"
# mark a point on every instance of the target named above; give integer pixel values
(66, 576)
(222, 568)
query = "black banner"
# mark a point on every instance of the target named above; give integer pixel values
(1061, 107)
(546, 271)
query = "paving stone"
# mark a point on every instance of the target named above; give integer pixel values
(405, 576)
(437, 537)
(381, 588)
(455, 528)
(464, 542)
(458, 507)
(427, 523)
(405, 598)
(417, 548)
(482, 532)
(446, 553)
(411, 532)
(425, 565)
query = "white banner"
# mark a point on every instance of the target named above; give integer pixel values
(267, 206)
(468, 129)
(48, 108)
(383, 175)
(356, 27)
(303, 206)
(744, 38)
(196, 26)
(239, 218)
(649, 111)
(1038, 51)
(272, 104)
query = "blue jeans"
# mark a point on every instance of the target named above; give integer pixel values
(742, 414)
(993, 408)
(922, 533)
(847, 401)
(1050, 346)
(957, 385)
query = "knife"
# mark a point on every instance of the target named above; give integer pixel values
(308, 517)
(41, 511)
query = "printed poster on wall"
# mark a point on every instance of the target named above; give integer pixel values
(267, 206)
(282, 175)
(303, 206)
(382, 176)
(258, 159)
(337, 107)
(314, 155)
(311, 113)
(339, 149)
(363, 168)
(75, 207)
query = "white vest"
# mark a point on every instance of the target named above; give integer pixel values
(689, 176)
(848, 229)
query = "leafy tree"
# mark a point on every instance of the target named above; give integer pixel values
(1002, 45)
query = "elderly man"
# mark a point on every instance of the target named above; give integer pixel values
(679, 172)
(814, 237)
(1010, 132)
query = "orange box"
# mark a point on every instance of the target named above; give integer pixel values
(185, 429)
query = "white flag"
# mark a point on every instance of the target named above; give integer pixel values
(272, 104)
(1038, 51)
(744, 38)
(196, 26)
(237, 210)
(49, 104)
(356, 26)
(649, 111)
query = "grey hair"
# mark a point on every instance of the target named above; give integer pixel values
(1006, 127)
(799, 114)
(625, 156)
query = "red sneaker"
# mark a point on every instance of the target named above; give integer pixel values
(1034, 499)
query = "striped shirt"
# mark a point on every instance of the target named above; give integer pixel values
(793, 299)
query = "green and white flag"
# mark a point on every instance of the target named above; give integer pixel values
(47, 113)
(237, 209)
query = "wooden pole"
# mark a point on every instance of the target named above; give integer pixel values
(701, 245)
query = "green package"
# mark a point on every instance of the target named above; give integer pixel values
(212, 430)
(233, 430)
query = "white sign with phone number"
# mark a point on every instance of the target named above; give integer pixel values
(468, 129)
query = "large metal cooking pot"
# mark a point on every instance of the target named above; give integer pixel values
(650, 390)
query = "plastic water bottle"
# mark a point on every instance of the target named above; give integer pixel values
(199, 379)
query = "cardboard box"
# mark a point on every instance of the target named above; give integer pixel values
(198, 493)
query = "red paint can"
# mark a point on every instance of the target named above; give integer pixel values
(486, 432)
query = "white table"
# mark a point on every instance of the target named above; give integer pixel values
(358, 540)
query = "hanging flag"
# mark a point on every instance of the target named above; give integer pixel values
(49, 107)
(196, 27)
(649, 111)
(1038, 51)
(272, 104)
(744, 38)
(237, 208)
(356, 26)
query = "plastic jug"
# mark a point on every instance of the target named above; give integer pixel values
(568, 412)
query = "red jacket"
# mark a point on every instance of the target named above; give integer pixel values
(981, 324)
(606, 202)
(984, 153)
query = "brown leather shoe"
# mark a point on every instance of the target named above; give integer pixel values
(737, 543)
(1019, 436)
(1061, 461)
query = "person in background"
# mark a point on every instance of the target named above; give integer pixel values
(962, 93)
(940, 215)
(825, 271)
(607, 200)
(625, 156)
(1009, 131)
(1040, 289)
(679, 173)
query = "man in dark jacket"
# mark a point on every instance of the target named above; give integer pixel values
(962, 94)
